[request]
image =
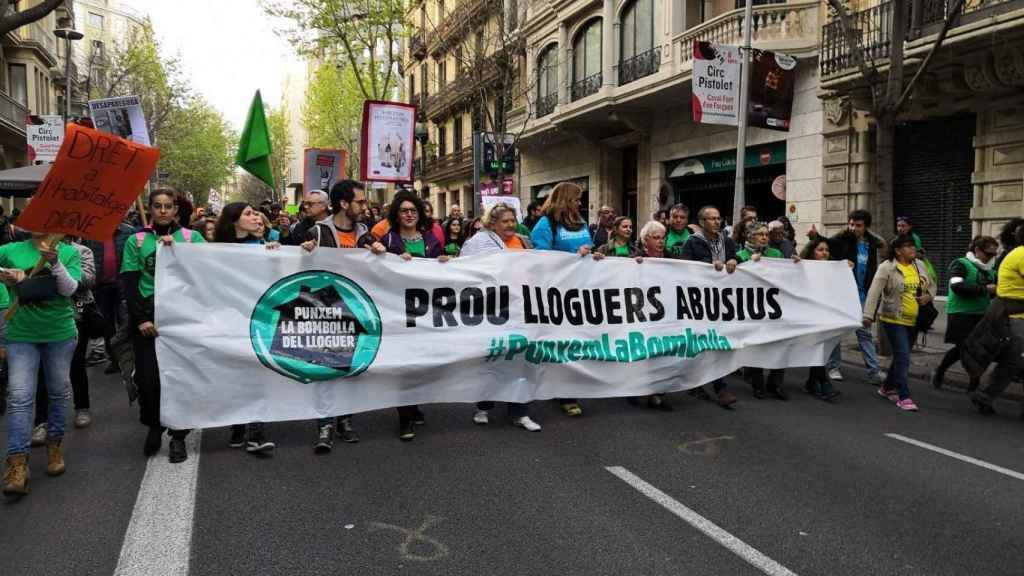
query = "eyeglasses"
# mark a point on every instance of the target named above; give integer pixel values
(407, 211)
(314, 203)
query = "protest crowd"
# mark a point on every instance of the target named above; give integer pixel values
(69, 304)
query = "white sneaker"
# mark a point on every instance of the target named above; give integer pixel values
(480, 417)
(39, 435)
(835, 374)
(526, 423)
(82, 418)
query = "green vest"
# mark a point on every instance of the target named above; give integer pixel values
(769, 252)
(956, 304)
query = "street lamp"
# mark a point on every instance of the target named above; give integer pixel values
(67, 33)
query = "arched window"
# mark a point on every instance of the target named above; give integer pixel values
(586, 60)
(638, 58)
(547, 80)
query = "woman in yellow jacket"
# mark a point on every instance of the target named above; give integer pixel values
(900, 287)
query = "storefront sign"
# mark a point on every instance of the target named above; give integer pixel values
(757, 156)
(716, 83)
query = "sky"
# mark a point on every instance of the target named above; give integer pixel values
(228, 50)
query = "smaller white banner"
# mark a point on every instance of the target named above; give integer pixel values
(44, 139)
(716, 83)
(120, 116)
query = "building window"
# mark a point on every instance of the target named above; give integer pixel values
(638, 57)
(424, 87)
(412, 88)
(95, 20)
(442, 74)
(17, 77)
(547, 80)
(442, 140)
(457, 134)
(586, 60)
(98, 55)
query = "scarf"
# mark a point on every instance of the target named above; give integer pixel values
(717, 246)
(982, 265)
(754, 249)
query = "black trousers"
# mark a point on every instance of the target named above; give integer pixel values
(147, 378)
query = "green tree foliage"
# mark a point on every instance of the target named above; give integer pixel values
(197, 149)
(281, 143)
(333, 111)
(140, 69)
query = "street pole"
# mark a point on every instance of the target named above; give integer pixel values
(477, 158)
(67, 82)
(739, 195)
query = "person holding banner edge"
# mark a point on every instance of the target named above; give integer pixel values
(138, 285)
(499, 234)
(652, 245)
(410, 235)
(562, 228)
(43, 273)
(345, 229)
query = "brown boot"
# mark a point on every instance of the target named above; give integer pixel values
(54, 457)
(16, 475)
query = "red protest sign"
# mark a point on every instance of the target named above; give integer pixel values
(96, 178)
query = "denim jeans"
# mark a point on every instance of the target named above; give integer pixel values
(900, 341)
(867, 347)
(23, 360)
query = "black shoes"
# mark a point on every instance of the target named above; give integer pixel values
(153, 440)
(324, 440)
(347, 433)
(176, 451)
(418, 418)
(237, 436)
(983, 403)
(405, 431)
(256, 442)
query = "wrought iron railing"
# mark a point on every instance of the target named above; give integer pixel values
(795, 22)
(417, 46)
(586, 86)
(935, 11)
(871, 27)
(639, 66)
(546, 104)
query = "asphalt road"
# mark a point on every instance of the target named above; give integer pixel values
(814, 488)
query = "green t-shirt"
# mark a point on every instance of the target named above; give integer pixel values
(51, 320)
(622, 250)
(452, 249)
(676, 239)
(769, 252)
(416, 247)
(143, 259)
(5, 298)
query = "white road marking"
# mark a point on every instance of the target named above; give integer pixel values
(709, 528)
(158, 541)
(958, 456)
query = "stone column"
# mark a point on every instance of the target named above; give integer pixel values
(608, 42)
(564, 64)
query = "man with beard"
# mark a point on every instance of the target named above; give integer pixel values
(345, 229)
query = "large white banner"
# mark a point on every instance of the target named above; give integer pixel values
(248, 334)
(716, 83)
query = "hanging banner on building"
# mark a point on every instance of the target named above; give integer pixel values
(772, 84)
(322, 167)
(87, 192)
(386, 144)
(121, 117)
(716, 83)
(45, 135)
(279, 335)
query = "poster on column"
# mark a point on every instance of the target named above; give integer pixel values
(386, 143)
(122, 117)
(772, 84)
(716, 83)
(283, 335)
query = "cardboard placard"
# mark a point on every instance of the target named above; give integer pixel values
(96, 178)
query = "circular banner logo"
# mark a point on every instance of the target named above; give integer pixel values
(315, 326)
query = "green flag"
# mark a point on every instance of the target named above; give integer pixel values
(254, 147)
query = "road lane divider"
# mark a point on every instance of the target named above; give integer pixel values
(738, 547)
(958, 456)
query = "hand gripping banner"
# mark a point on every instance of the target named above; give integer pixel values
(248, 334)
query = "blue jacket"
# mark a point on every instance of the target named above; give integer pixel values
(565, 241)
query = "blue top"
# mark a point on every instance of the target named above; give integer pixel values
(273, 235)
(564, 241)
(860, 270)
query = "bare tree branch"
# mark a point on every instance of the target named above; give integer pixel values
(15, 20)
(951, 18)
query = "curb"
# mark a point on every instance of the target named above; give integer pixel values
(952, 380)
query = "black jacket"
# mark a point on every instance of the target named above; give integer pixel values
(121, 235)
(843, 246)
(300, 233)
(698, 250)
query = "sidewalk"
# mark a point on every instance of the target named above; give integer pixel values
(924, 359)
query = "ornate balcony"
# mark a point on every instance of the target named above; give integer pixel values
(587, 86)
(639, 66)
(776, 27)
(468, 15)
(546, 104)
(452, 166)
(874, 26)
(12, 114)
(417, 46)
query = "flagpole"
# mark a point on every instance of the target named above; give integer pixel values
(739, 194)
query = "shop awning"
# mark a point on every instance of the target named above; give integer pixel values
(22, 182)
(763, 155)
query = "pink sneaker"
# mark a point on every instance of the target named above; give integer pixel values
(891, 395)
(907, 405)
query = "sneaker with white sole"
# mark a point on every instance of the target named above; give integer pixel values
(835, 374)
(39, 435)
(907, 405)
(888, 394)
(481, 418)
(83, 418)
(526, 423)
